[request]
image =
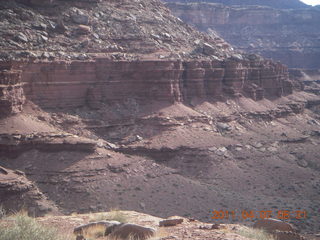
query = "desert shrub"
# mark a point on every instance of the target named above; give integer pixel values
(3, 212)
(113, 215)
(23, 227)
(253, 233)
(98, 231)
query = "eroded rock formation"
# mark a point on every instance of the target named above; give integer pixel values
(19, 193)
(11, 90)
(124, 56)
(75, 84)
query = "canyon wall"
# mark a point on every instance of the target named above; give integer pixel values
(289, 36)
(64, 84)
(284, 4)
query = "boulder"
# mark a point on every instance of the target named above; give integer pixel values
(79, 17)
(224, 126)
(82, 230)
(129, 231)
(278, 235)
(208, 49)
(271, 225)
(83, 29)
(22, 38)
(170, 222)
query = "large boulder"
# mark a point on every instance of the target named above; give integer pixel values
(115, 230)
(129, 231)
(170, 222)
(278, 235)
(84, 229)
(271, 225)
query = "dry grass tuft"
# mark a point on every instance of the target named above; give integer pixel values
(22, 227)
(94, 232)
(160, 234)
(253, 233)
(117, 215)
(95, 217)
(113, 215)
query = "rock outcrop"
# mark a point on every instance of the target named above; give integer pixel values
(271, 225)
(129, 231)
(75, 84)
(65, 68)
(279, 229)
(84, 229)
(18, 193)
(11, 90)
(290, 36)
(170, 222)
(115, 230)
(15, 144)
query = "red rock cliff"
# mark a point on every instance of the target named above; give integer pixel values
(11, 91)
(74, 84)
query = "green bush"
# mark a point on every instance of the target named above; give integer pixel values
(23, 227)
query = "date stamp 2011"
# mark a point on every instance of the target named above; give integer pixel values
(251, 214)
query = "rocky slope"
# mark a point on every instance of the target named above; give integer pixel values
(178, 160)
(287, 35)
(84, 29)
(18, 192)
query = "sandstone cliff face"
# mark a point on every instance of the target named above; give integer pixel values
(75, 84)
(290, 36)
(148, 55)
(11, 91)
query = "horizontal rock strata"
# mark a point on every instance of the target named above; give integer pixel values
(75, 84)
(19, 193)
(14, 144)
(11, 91)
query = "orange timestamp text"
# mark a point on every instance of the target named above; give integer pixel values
(251, 214)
